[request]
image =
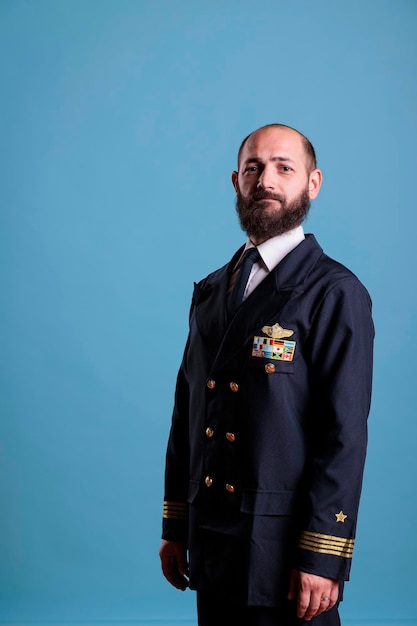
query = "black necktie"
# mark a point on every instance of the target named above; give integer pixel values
(236, 295)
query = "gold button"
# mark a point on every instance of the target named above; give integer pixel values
(209, 481)
(211, 383)
(234, 387)
(269, 368)
(230, 436)
(209, 432)
(230, 488)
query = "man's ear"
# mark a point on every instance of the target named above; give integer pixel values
(314, 184)
(234, 181)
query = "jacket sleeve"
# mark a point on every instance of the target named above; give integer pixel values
(177, 461)
(340, 349)
(175, 507)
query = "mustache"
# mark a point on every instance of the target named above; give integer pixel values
(262, 195)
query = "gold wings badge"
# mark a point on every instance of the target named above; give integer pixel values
(277, 332)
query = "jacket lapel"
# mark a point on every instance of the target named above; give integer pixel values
(210, 304)
(256, 311)
(226, 338)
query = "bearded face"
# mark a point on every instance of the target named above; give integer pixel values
(262, 219)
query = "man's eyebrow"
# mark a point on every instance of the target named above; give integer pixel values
(282, 159)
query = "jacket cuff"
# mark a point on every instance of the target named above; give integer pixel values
(175, 510)
(175, 521)
(325, 555)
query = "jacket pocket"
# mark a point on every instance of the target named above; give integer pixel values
(256, 502)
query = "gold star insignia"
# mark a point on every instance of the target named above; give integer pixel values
(340, 517)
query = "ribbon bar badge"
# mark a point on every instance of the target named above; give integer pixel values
(278, 349)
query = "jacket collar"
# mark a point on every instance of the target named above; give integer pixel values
(224, 337)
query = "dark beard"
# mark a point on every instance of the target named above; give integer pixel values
(259, 222)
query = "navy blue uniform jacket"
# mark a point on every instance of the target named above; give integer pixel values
(269, 429)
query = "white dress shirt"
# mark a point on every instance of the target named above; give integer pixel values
(272, 252)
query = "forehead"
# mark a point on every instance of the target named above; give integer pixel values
(267, 143)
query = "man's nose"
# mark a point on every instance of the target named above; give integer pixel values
(267, 179)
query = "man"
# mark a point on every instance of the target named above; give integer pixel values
(268, 438)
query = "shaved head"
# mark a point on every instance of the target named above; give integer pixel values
(310, 153)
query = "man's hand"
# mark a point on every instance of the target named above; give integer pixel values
(173, 555)
(314, 594)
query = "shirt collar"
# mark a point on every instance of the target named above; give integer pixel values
(273, 250)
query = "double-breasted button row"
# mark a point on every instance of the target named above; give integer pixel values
(211, 384)
(229, 436)
(209, 482)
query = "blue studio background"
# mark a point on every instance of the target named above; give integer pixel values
(120, 123)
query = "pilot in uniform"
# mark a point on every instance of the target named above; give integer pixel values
(268, 439)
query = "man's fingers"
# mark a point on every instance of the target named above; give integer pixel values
(314, 606)
(325, 604)
(174, 564)
(334, 596)
(304, 606)
(183, 567)
(173, 574)
(316, 595)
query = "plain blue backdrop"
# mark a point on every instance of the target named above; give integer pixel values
(120, 121)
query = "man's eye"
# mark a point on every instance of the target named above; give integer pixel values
(286, 168)
(252, 168)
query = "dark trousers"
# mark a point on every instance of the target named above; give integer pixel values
(214, 611)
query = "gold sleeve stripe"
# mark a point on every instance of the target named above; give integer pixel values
(175, 510)
(327, 544)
